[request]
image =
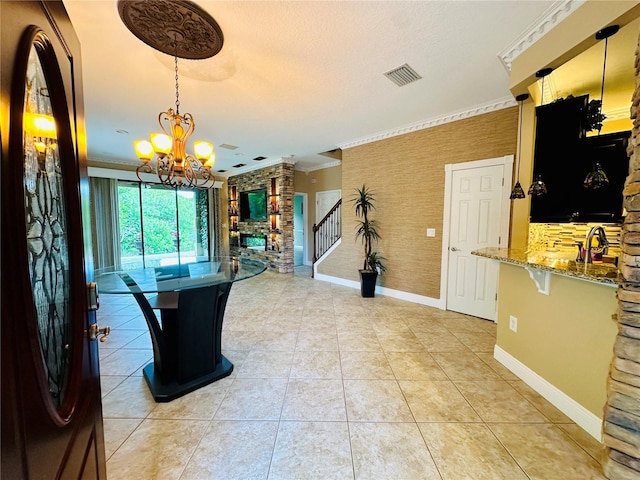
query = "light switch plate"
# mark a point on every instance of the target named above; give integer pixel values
(431, 232)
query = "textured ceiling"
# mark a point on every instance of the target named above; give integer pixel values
(298, 78)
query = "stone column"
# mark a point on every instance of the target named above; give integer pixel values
(621, 433)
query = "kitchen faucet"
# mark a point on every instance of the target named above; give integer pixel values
(603, 243)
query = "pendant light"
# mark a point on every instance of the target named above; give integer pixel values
(517, 191)
(538, 187)
(597, 178)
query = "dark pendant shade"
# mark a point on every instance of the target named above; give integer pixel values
(517, 192)
(596, 178)
(538, 187)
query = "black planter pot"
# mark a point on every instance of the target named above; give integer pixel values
(368, 283)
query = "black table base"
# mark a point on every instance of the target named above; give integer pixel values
(187, 351)
(165, 392)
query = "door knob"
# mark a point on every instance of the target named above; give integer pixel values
(96, 332)
(454, 249)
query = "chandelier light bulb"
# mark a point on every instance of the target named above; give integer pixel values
(40, 147)
(40, 125)
(144, 150)
(203, 150)
(161, 143)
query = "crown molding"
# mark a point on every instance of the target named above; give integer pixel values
(128, 175)
(555, 14)
(499, 104)
(335, 163)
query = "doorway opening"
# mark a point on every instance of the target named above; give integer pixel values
(299, 230)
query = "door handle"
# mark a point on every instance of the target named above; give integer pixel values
(96, 332)
(454, 249)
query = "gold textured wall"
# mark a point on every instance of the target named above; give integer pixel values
(563, 338)
(407, 175)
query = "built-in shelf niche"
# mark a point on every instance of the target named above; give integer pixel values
(277, 227)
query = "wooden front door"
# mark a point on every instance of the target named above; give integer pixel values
(51, 408)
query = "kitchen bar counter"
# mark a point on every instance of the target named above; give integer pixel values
(605, 273)
(556, 333)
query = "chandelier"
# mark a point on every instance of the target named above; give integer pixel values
(166, 153)
(182, 29)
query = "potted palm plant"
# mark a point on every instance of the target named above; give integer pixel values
(367, 231)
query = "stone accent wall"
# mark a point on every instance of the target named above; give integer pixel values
(278, 181)
(621, 434)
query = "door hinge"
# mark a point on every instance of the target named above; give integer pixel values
(93, 301)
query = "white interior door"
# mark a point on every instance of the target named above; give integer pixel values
(475, 222)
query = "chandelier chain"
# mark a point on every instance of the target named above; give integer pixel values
(177, 90)
(519, 138)
(604, 69)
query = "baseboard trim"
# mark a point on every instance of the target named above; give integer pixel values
(567, 405)
(388, 292)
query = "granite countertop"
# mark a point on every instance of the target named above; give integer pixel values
(605, 273)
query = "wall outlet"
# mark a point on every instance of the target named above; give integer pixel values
(431, 232)
(513, 323)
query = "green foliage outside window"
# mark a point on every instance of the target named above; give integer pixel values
(159, 222)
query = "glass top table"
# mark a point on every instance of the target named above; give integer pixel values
(175, 278)
(191, 299)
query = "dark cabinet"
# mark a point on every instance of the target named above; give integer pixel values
(564, 156)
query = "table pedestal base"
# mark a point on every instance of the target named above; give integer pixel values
(165, 392)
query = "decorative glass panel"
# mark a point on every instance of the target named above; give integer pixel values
(46, 229)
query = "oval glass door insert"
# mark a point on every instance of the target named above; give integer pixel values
(46, 229)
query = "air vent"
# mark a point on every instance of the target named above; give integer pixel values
(221, 171)
(240, 165)
(402, 75)
(227, 146)
(260, 158)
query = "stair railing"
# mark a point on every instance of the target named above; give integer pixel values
(327, 232)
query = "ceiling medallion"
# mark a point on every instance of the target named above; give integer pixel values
(176, 27)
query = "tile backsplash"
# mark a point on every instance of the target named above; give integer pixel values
(562, 237)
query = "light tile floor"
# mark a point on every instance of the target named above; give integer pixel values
(331, 385)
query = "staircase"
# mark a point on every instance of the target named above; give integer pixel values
(327, 232)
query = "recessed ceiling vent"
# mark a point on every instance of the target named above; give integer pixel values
(402, 75)
(260, 158)
(239, 165)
